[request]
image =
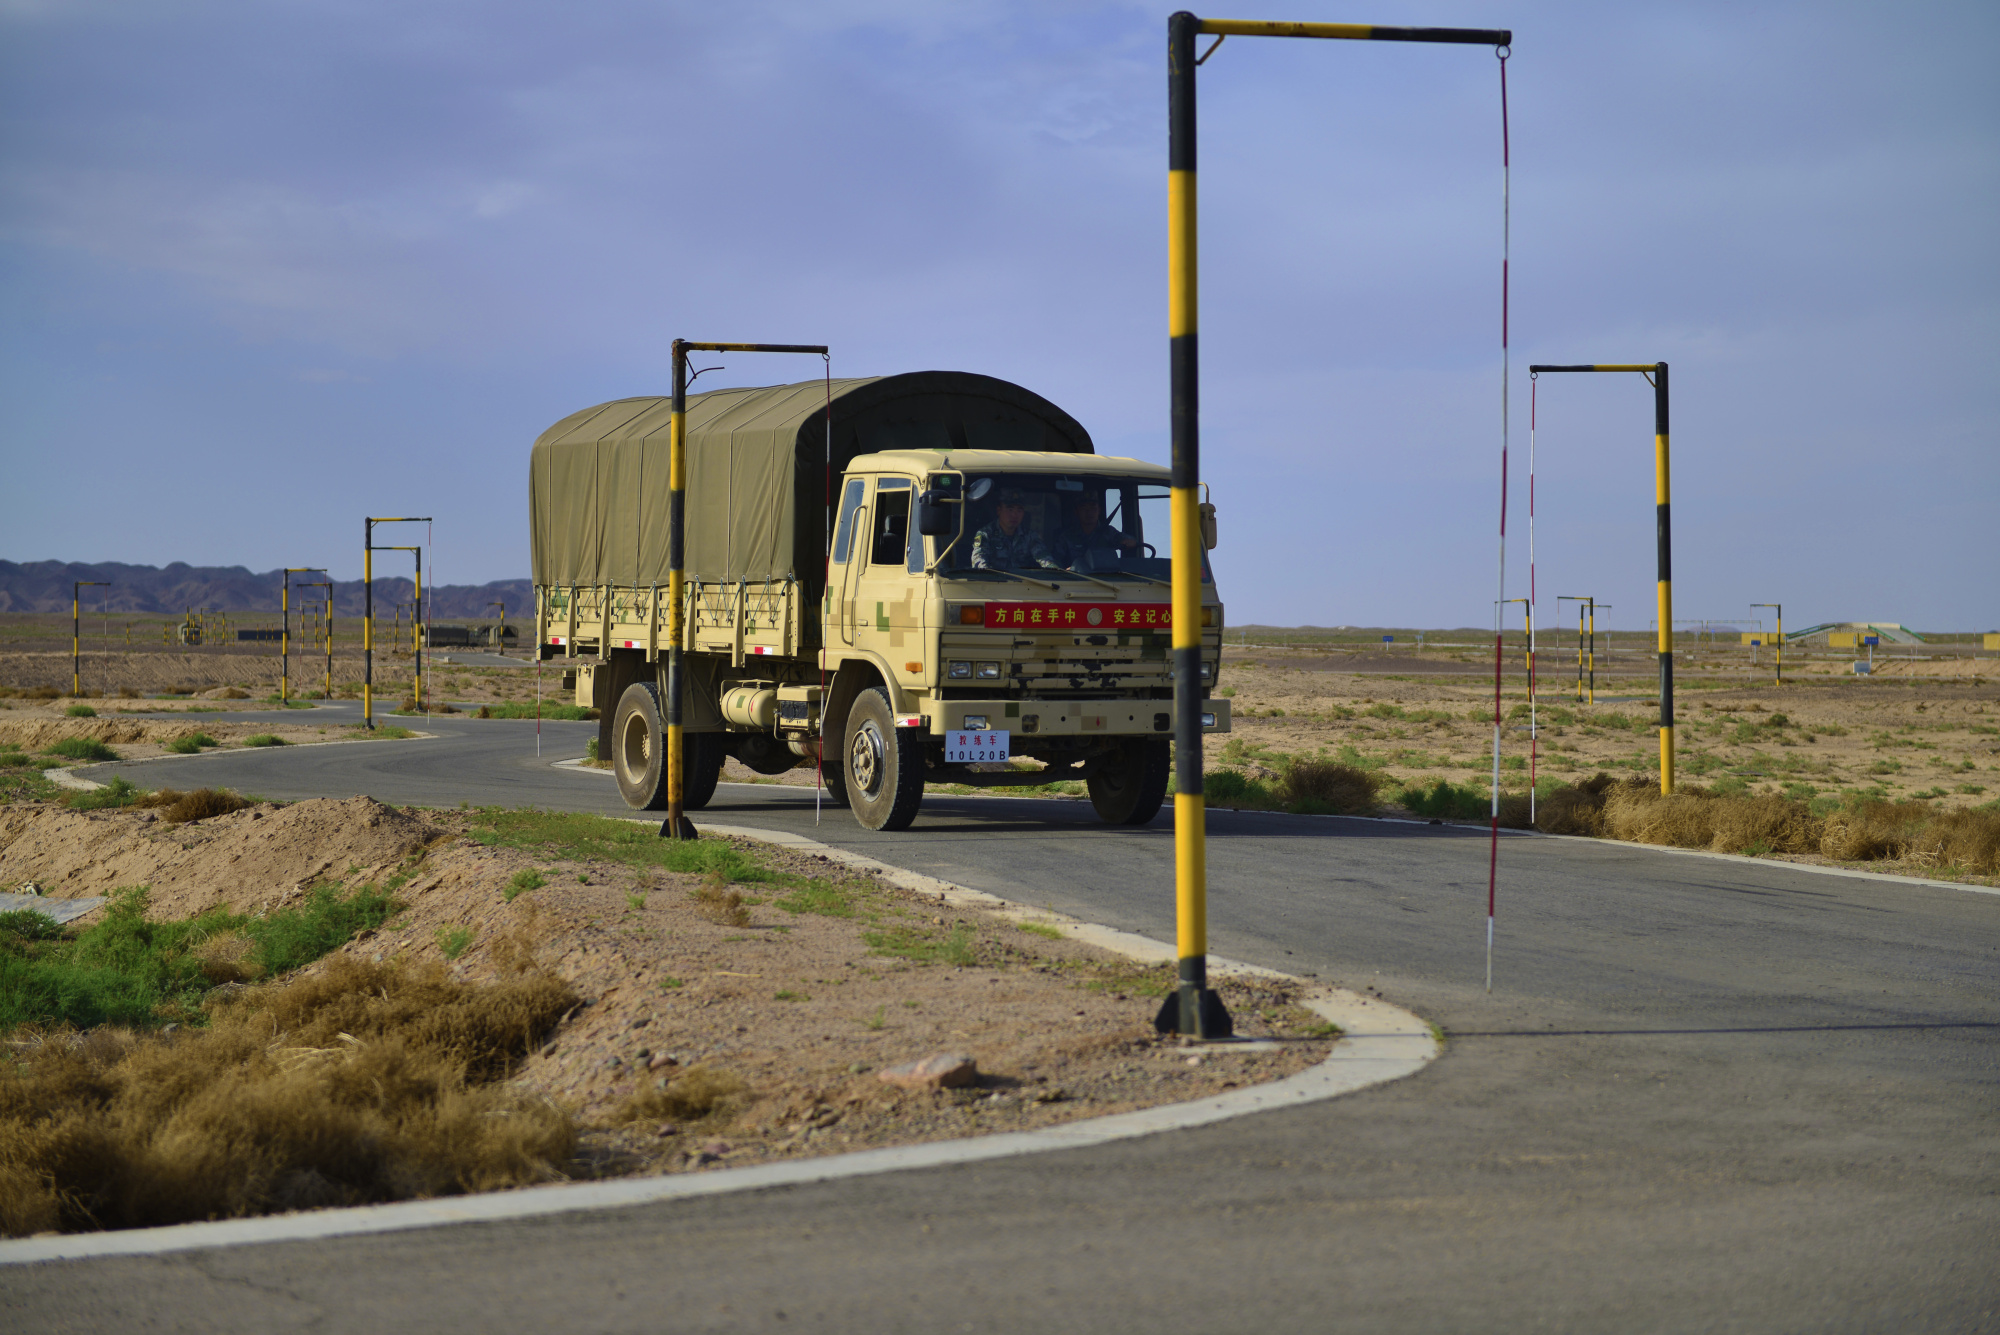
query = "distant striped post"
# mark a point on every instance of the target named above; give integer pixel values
(1656, 373)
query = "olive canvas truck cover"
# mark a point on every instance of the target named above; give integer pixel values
(758, 466)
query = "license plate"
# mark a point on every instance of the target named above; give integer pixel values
(962, 748)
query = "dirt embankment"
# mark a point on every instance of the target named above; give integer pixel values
(803, 992)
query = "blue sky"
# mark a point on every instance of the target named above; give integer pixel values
(270, 267)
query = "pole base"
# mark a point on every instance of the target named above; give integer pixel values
(686, 831)
(1196, 1012)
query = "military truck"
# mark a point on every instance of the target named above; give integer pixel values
(855, 600)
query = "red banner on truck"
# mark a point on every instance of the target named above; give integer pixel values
(1079, 616)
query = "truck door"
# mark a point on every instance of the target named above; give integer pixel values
(888, 607)
(840, 572)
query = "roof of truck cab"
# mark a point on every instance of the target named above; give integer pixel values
(1004, 461)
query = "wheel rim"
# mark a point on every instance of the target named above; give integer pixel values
(635, 747)
(864, 758)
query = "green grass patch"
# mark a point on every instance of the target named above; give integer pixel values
(454, 941)
(15, 759)
(265, 739)
(523, 882)
(1042, 929)
(824, 898)
(278, 702)
(1445, 800)
(81, 748)
(81, 711)
(584, 838)
(117, 793)
(188, 746)
(790, 996)
(134, 970)
(923, 946)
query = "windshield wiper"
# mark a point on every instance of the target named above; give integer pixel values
(1007, 574)
(1163, 583)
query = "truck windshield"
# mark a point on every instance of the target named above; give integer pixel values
(1062, 528)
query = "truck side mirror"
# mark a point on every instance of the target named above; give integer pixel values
(1208, 526)
(934, 517)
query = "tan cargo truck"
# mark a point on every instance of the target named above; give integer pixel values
(993, 590)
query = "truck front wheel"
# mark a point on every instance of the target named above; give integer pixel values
(639, 754)
(1129, 786)
(882, 764)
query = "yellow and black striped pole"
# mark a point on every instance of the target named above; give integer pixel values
(1195, 1009)
(1779, 648)
(76, 631)
(1656, 372)
(678, 826)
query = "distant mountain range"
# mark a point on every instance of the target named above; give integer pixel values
(44, 586)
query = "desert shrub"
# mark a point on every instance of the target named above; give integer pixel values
(703, 1093)
(233, 693)
(80, 711)
(265, 739)
(549, 710)
(41, 693)
(381, 1085)
(81, 748)
(1444, 801)
(178, 808)
(11, 759)
(1693, 818)
(117, 793)
(1229, 787)
(192, 744)
(1323, 786)
(1575, 808)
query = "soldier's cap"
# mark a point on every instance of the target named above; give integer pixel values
(1012, 496)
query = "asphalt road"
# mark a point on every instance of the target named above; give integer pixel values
(1705, 1095)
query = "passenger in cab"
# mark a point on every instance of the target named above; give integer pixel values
(1007, 543)
(1087, 532)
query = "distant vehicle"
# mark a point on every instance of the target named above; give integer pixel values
(943, 639)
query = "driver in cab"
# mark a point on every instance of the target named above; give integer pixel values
(1088, 532)
(1007, 543)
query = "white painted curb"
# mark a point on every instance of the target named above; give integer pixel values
(1379, 1042)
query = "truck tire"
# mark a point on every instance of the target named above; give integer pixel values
(1129, 787)
(881, 764)
(639, 754)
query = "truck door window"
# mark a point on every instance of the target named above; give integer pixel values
(850, 501)
(891, 524)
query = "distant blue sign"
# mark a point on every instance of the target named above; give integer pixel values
(1871, 639)
(1388, 639)
(1756, 644)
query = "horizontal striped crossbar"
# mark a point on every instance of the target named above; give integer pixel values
(1356, 32)
(1635, 366)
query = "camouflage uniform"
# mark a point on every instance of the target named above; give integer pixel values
(994, 549)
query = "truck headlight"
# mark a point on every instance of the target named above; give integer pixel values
(1208, 720)
(960, 669)
(989, 671)
(975, 723)
(1207, 671)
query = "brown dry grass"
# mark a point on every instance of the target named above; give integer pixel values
(1635, 810)
(702, 1094)
(363, 1083)
(715, 901)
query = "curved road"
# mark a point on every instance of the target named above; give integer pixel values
(1706, 1094)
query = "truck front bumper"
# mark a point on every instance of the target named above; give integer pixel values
(1066, 718)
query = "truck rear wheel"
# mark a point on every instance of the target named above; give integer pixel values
(881, 764)
(639, 754)
(1129, 786)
